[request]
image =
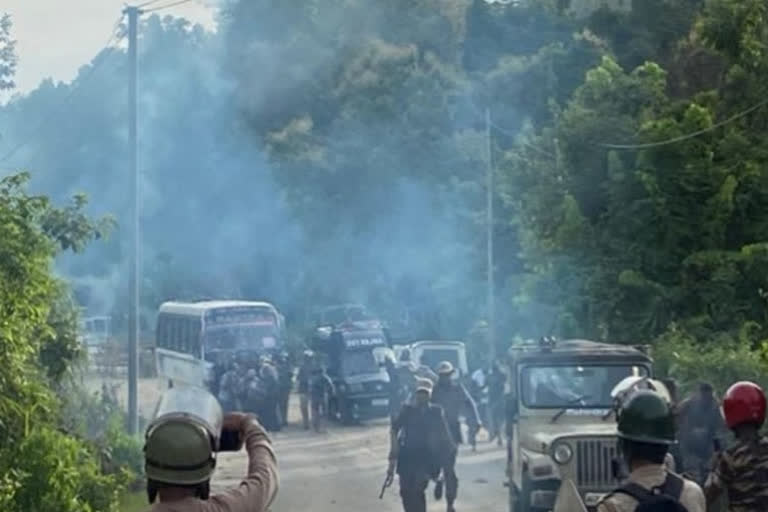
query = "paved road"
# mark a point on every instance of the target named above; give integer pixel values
(342, 471)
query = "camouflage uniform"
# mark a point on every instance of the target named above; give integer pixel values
(742, 471)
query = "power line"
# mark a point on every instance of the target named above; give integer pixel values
(145, 4)
(681, 138)
(73, 91)
(166, 6)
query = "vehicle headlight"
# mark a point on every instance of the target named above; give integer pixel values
(562, 453)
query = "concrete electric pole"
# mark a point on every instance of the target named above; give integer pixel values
(489, 235)
(133, 294)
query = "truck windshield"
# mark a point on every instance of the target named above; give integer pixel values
(434, 356)
(358, 362)
(573, 386)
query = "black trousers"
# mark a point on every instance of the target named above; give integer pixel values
(451, 479)
(412, 492)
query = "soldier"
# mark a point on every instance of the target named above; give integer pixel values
(253, 392)
(230, 388)
(303, 386)
(646, 430)
(454, 399)
(285, 377)
(741, 470)
(700, 424)
(270, 414)
(321, 389)
(180, 460)
(420, 444)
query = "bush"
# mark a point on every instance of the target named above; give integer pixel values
(58, 473)
(720, 361)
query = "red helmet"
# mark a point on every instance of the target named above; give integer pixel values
(744, 402)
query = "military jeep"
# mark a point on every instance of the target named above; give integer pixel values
(560, 421)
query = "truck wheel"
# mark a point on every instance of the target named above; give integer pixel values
(346, 415)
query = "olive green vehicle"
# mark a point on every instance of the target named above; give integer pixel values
(560, 419)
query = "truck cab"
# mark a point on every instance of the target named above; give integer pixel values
(354, 352)
(431, 353)
(560, 423)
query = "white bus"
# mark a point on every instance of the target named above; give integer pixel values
(192, 337)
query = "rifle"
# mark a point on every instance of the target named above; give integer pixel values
(387, 483)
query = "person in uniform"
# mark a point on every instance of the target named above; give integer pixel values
(646, 430)
(179, 463)
(420, 445)
(230, 388)
(454, 399)
(701, 423)
(497, 380)
(741, 471)
(285, 377)
(253, 392)
(303, 378)
(321, 389)
(270, 412)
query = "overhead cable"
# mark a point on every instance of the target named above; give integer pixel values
(166, 6)
(681, 138)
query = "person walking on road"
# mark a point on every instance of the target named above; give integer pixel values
(497, 380)
(741, 470)
(179, 463)
(701, 423)
(230, 388)
(285, 378)
(420, 444)
(321, 390)
(646, 430)
(270, 413)
(303, 383)
(454, 399)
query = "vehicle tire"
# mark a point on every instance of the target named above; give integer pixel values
(345, 415)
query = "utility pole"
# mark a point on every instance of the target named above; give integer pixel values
(489, 235)
(133, 294)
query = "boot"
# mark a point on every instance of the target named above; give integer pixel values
(439, 489)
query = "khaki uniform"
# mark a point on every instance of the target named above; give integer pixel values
(741, 471)
(254, 494)
(692, 497)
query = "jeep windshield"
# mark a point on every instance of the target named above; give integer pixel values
(573, 386)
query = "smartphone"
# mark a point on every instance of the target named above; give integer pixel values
(230, 441)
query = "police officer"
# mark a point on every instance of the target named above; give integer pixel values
(454, 399)
(646, 430)
(270, 412)
(180, 459)
(321, 389)
(303, 379)
(420, 445)
(230, 388)
(741, 469)
(285, 377)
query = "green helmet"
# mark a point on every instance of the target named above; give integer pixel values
(179, 451)
(646, 418)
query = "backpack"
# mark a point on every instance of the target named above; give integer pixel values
(665, 498)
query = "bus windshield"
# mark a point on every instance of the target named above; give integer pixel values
(240, 337)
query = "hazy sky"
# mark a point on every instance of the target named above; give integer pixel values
(56, 37)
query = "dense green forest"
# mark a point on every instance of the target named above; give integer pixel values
(328, 151)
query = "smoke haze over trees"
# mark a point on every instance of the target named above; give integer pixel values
(335, 151)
